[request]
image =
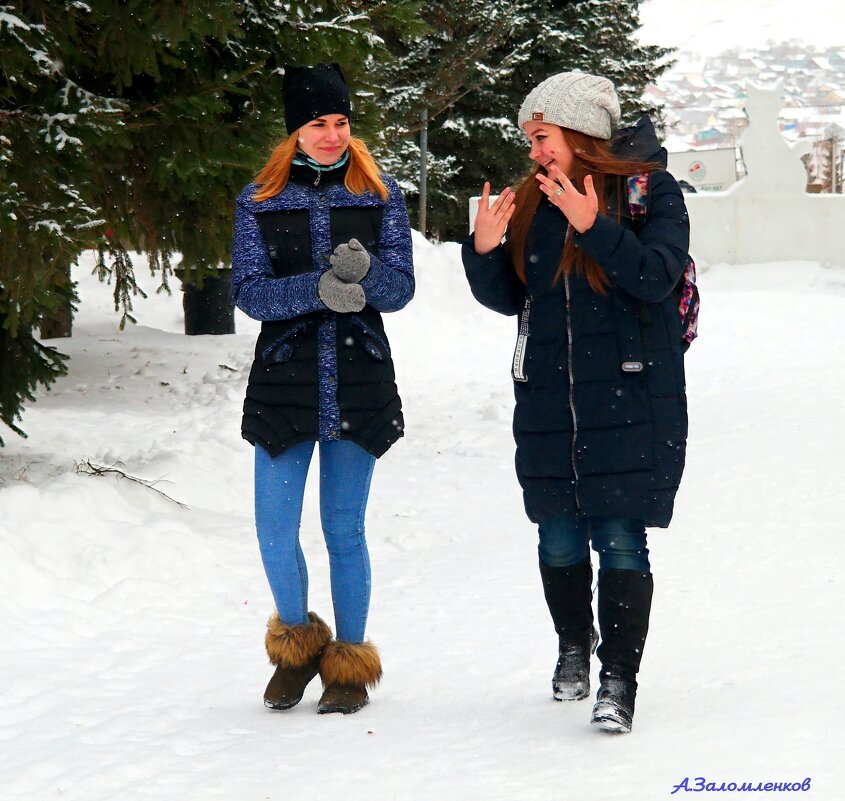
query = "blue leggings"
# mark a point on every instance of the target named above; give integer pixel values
(345, 473)
(619, 542)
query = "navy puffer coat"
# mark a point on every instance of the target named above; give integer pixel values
(601, 415)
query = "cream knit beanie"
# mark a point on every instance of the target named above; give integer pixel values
(574, 100)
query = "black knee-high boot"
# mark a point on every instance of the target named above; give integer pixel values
(569, 595)
(624, 606)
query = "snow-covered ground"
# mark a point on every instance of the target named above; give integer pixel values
(131, 629)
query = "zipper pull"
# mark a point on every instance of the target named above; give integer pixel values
(319, 176)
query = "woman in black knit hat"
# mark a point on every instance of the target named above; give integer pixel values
(322, 247)
(594, 265)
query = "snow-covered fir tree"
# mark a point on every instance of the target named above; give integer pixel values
(133, 126)
(477, 64)
(467, 45)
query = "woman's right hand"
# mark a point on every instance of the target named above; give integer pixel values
(491, 222)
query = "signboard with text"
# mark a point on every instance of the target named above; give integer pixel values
(705, 170)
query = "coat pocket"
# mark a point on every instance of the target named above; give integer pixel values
(280, 350)
(369, 339)
(629, 336)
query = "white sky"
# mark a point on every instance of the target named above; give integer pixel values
(711, 26)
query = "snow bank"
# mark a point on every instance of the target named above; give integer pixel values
(132, 654)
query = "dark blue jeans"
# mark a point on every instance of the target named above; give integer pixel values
(345, 473)
(619, 542)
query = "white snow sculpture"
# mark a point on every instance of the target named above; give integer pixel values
(768, 215)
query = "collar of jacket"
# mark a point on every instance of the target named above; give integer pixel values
(302, 195)
(306, 174)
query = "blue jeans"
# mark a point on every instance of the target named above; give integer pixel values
(345, 473)
(619, 542)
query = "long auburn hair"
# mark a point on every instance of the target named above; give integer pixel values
(594, 157)
(363, 174)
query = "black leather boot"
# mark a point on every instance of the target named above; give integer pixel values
(569, 595)
(624, 606)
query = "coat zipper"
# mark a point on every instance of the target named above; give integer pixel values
(569, 357)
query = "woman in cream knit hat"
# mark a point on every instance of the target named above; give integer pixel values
(600, 421)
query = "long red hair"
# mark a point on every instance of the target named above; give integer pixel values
(594, 157)
(363, 174)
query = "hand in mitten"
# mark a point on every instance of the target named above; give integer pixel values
(350, 262)
(338, 295)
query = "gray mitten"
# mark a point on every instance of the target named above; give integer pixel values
(350, 262)
(338, 295)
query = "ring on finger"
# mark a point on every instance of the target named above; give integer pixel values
(559, 192)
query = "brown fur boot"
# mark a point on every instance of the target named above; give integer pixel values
(295, 651)
(347, 669)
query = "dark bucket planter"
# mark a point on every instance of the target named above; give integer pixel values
(209, 310)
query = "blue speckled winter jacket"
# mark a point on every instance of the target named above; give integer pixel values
(317, 374)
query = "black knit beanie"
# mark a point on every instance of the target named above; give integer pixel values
(311, 92)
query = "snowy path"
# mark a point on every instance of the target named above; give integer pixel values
(132, 654)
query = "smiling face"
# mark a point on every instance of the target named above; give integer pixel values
(548, 146)
(325, 139)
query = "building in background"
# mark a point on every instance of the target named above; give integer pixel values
(703, 98)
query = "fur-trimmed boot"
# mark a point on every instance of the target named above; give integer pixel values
(295, 651)
(347, 670)
(624, 609)
(569, 595)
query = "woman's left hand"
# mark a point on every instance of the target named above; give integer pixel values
(580, 210)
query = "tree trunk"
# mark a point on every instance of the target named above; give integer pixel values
(60, 322)
(209, 310)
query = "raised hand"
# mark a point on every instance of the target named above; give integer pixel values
(580, 210)
(350, 262)
(491, 222)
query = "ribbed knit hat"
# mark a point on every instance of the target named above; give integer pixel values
(574, 100)
(311, 92)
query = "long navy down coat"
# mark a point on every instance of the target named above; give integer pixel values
(601, 417)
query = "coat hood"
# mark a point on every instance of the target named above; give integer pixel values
(640, 142)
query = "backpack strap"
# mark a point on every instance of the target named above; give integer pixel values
(638, 195)
(637, 202)
(686, 289)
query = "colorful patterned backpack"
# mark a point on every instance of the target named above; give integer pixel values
(686, 289)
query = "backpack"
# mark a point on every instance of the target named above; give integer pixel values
(685, 290)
